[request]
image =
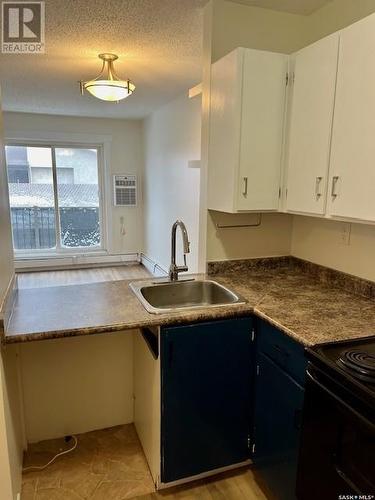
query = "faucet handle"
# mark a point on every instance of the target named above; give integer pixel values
(184, 268)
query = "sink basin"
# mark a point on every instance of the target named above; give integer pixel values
(161, 297)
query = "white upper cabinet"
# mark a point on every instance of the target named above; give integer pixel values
(311, 114)
(248, 92)
(351, 192)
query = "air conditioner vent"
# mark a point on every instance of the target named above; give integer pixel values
(125, 190)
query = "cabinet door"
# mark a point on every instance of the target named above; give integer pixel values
(277, 420)
(225, 123)
(312, 107)
(262, 125)
(205, 397)
(352, 174)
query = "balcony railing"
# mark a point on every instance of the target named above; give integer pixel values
(34, 228)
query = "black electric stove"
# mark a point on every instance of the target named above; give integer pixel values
(338, 435)
(359, 363)
(350, 363)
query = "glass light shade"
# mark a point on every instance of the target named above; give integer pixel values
(107, 86)
(110, 90)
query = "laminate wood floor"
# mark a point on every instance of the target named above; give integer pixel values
(127, 271)
(239, 484)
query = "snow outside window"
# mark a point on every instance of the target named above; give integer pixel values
(54, 198)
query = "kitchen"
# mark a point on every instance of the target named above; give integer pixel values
(190, 309)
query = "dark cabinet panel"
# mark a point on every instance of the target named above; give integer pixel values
(278, 414)
(206, 390)
(283, 350)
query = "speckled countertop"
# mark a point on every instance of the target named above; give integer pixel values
(65, 311)
(295, 301)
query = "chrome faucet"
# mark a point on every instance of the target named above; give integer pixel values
(174, 269)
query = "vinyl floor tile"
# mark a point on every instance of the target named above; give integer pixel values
(107, 464)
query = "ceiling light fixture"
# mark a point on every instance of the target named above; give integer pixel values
(107, 85)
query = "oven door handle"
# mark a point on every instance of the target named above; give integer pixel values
(357, 415)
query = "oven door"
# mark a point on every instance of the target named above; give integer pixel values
(337, 447)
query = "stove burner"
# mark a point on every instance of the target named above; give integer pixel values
(360, 363)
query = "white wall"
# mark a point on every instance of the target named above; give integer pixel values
(237, 25)
(170, 186)
(321, 241)
(6, 486)
(9, 368)
(334, 16)
(10, 440)
(205, 132)
(6, 246)
(77, 384)
(126, 156)
(272, 238)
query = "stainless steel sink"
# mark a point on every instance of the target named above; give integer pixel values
(162, 297)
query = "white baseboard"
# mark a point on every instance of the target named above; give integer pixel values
(73, 262)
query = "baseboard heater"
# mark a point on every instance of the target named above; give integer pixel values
(152, 266)
(73, 262)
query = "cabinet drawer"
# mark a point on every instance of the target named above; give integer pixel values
(284, 351)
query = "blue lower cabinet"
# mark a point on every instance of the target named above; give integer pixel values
(206, 396)
(278, 410)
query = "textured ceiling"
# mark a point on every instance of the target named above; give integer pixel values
(304, 7)
(159, 43)
(159, 48)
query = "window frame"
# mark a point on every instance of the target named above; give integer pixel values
(59, 250)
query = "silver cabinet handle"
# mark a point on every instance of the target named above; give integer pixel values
(334, 193)
(317, 186)
(244, 192)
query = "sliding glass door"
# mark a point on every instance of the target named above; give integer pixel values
(78, 197)
(31, 195)
(55, 198)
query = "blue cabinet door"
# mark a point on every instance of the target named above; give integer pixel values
(277, 422)
(206, 391)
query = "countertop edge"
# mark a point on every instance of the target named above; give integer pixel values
(159, 321)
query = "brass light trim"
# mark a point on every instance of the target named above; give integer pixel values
(108, 86)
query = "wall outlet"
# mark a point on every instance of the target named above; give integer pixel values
(345, 231)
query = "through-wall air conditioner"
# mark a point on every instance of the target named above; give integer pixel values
(125, 190)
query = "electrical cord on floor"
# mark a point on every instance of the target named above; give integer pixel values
(42, 467)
